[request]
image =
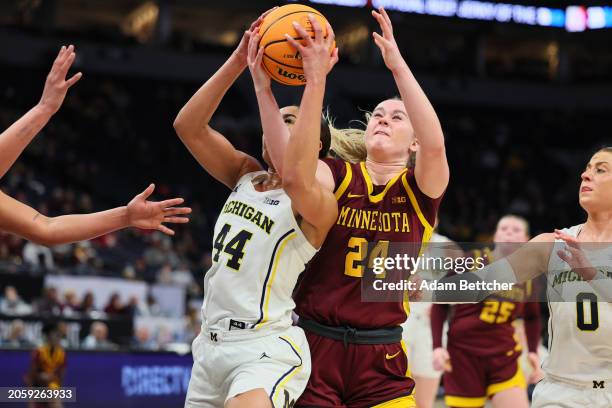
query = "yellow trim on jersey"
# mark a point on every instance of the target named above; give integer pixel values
(378, 197)
(518, 380)
(345, 182)
(405, 348)
(465, 402)
(401, 402)
(279, 253)
(427, 233)
(297, 369)
(415, 204)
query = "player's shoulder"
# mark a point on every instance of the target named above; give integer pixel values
(336, 165)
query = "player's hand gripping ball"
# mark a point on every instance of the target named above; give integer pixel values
(280, 60)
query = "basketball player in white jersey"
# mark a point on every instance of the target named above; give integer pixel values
(248, 354)
(578, 264)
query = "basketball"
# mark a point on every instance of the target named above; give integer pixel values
(281, 61)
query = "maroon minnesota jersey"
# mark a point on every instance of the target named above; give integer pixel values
(330, 290)
(486, 328)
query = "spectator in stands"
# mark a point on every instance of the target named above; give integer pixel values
(193, 324)
(50, 303)
(182, 276)
(164, 275)
(16, 337)
(98, 338)
(12, 304)
(71, 303)
(87, 305)
(153, 308)
(38, 256)
(143, 340)
(114, 305)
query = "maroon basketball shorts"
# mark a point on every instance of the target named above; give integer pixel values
(352, 375)
(474, 378)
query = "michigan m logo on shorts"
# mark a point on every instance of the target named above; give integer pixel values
(598, 384)
(289, 403)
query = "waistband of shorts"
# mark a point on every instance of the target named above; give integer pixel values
(216, 334)
(352, 335)
(579, 385)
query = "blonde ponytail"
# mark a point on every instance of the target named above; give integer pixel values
(348, 144)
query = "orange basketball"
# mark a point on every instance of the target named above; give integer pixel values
(282, 62)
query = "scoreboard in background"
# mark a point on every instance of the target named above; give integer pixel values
(573, 18)
(113, 379)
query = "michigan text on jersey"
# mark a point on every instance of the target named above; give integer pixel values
(249, 213)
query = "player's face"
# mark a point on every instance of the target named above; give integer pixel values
(510, 229)
(596, 187)
(289, 117)
(389, 134)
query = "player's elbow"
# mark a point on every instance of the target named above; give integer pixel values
(180, 127)
(41, 233)
(43, 238)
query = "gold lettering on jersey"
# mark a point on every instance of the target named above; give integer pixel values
(249, 213)
(373, 220)
(386, 224)
(398, 200)
(342, 216)
(405, 223)
(395, 216)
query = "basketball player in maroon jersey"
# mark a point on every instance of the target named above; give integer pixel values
(358, 359)
(481, 358)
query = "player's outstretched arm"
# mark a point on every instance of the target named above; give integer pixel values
(276, 133)
(20, 219)
(527, 262)
(15, 139)
(209, 147)
(314, 201)
(431, 171)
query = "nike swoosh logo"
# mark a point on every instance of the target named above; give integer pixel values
(388, 357)
(351, 195)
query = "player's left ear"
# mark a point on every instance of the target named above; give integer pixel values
(320, 145)
(414, 146)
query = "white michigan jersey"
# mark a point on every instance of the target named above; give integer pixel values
(580, 326)
(259, 251)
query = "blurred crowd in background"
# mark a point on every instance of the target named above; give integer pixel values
(114, 135)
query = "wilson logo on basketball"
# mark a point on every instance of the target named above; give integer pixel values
(290, 75)
(295, 56)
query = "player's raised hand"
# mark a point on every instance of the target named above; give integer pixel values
(152, 214)
(261, 80)
(574, 256)
(242, 51)
(317, 59)
(56, 85)
(386, 42)
(441, 360)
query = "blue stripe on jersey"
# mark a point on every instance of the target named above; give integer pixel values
(288, 372)
(263, 289)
